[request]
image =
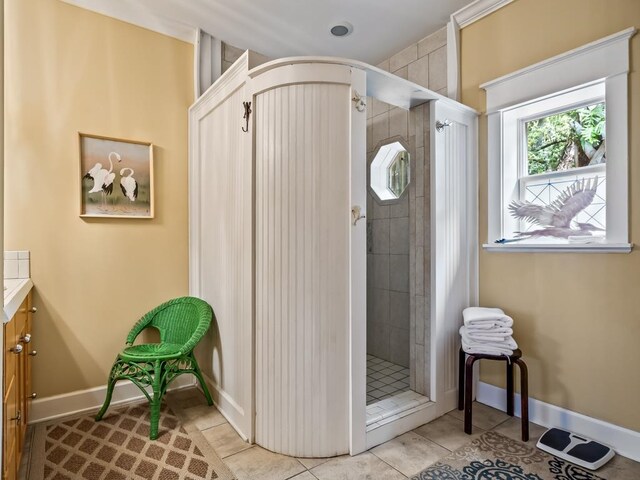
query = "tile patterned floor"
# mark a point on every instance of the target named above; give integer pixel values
(397, 459)
(385, 379)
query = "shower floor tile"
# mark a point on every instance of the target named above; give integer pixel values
(385, 379)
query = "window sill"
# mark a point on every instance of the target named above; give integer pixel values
(547, 248)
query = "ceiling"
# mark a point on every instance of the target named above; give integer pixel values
(279, 28)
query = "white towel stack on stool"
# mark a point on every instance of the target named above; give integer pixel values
(488, 331)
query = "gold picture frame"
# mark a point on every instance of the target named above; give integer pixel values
(116, 177)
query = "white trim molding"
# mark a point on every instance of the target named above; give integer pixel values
(91, 399)
(594, 61)
(477, 10)
(624, 441)
(546, 247)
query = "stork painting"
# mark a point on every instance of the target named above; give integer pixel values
(134, 198)
(128, 184)
(102, 178)
(558, 218)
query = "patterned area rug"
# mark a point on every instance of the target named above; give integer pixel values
(118, 448)
(495, 457)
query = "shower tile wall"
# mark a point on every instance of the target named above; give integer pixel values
(398, 249)
(388, 281)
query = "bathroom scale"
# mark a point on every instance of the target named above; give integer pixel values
(574, 448)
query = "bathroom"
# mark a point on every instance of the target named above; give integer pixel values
(71, 69)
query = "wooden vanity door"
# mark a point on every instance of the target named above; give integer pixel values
(10, 404)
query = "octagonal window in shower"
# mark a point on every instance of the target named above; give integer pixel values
(389, 174)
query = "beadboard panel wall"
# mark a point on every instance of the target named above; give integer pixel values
(221, 209)
(453, 287)
(302, 269)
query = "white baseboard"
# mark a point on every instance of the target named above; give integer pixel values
(83, 401)
(624, 441)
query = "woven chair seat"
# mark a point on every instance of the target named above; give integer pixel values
(181, 323)
(152, 350)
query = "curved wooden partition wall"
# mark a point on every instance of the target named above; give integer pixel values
(302, 229)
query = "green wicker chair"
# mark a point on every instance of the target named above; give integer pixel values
(182, 322)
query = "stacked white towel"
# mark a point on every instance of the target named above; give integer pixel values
(487, 330)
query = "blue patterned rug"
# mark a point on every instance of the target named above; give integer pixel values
(495, 457)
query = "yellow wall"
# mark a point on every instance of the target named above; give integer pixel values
(70, 70)
(577, 316)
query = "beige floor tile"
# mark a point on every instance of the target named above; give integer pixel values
(225, 440)
(256, 463)
(512, 429)
(448, 432)
(410, 453)
(312, 462)
(620, 468)
(187, 397)
(304, 476)
(365, 466)
(204, 416)
(195, 401)
(483, 416)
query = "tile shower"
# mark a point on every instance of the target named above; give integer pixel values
(398, 266)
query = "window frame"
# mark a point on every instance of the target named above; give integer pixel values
(565, 80)
(514, 141)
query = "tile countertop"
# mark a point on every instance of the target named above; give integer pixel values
(16, 290)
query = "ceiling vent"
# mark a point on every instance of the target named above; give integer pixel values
(341, 29)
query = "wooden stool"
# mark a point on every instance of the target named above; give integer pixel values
(465, 386)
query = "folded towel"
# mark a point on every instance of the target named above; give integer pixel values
(489, 335)
(487, 350)
(491, 345)
(486, 318)
(502, 331)
(506, 341)
(488, 338)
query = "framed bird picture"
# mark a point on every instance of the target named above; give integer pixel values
(116, 177)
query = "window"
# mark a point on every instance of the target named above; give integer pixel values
(389, 173)
(570, 139)
(558, 152)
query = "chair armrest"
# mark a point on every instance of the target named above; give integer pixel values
(195, 338)
(138, 327)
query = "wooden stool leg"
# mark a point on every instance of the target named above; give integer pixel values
(509, 388)
(461, 358)
(468, 393)
(524, 399)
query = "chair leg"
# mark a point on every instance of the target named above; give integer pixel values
(461, 358)
(468, 393)
(524, 399)
(110, 385)
(510, 388)
(203, 384)
(157, 400)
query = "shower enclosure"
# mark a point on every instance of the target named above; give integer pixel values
(278, 247)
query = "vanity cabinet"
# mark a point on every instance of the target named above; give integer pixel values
(18, 354)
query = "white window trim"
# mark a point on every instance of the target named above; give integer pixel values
(603, 60)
